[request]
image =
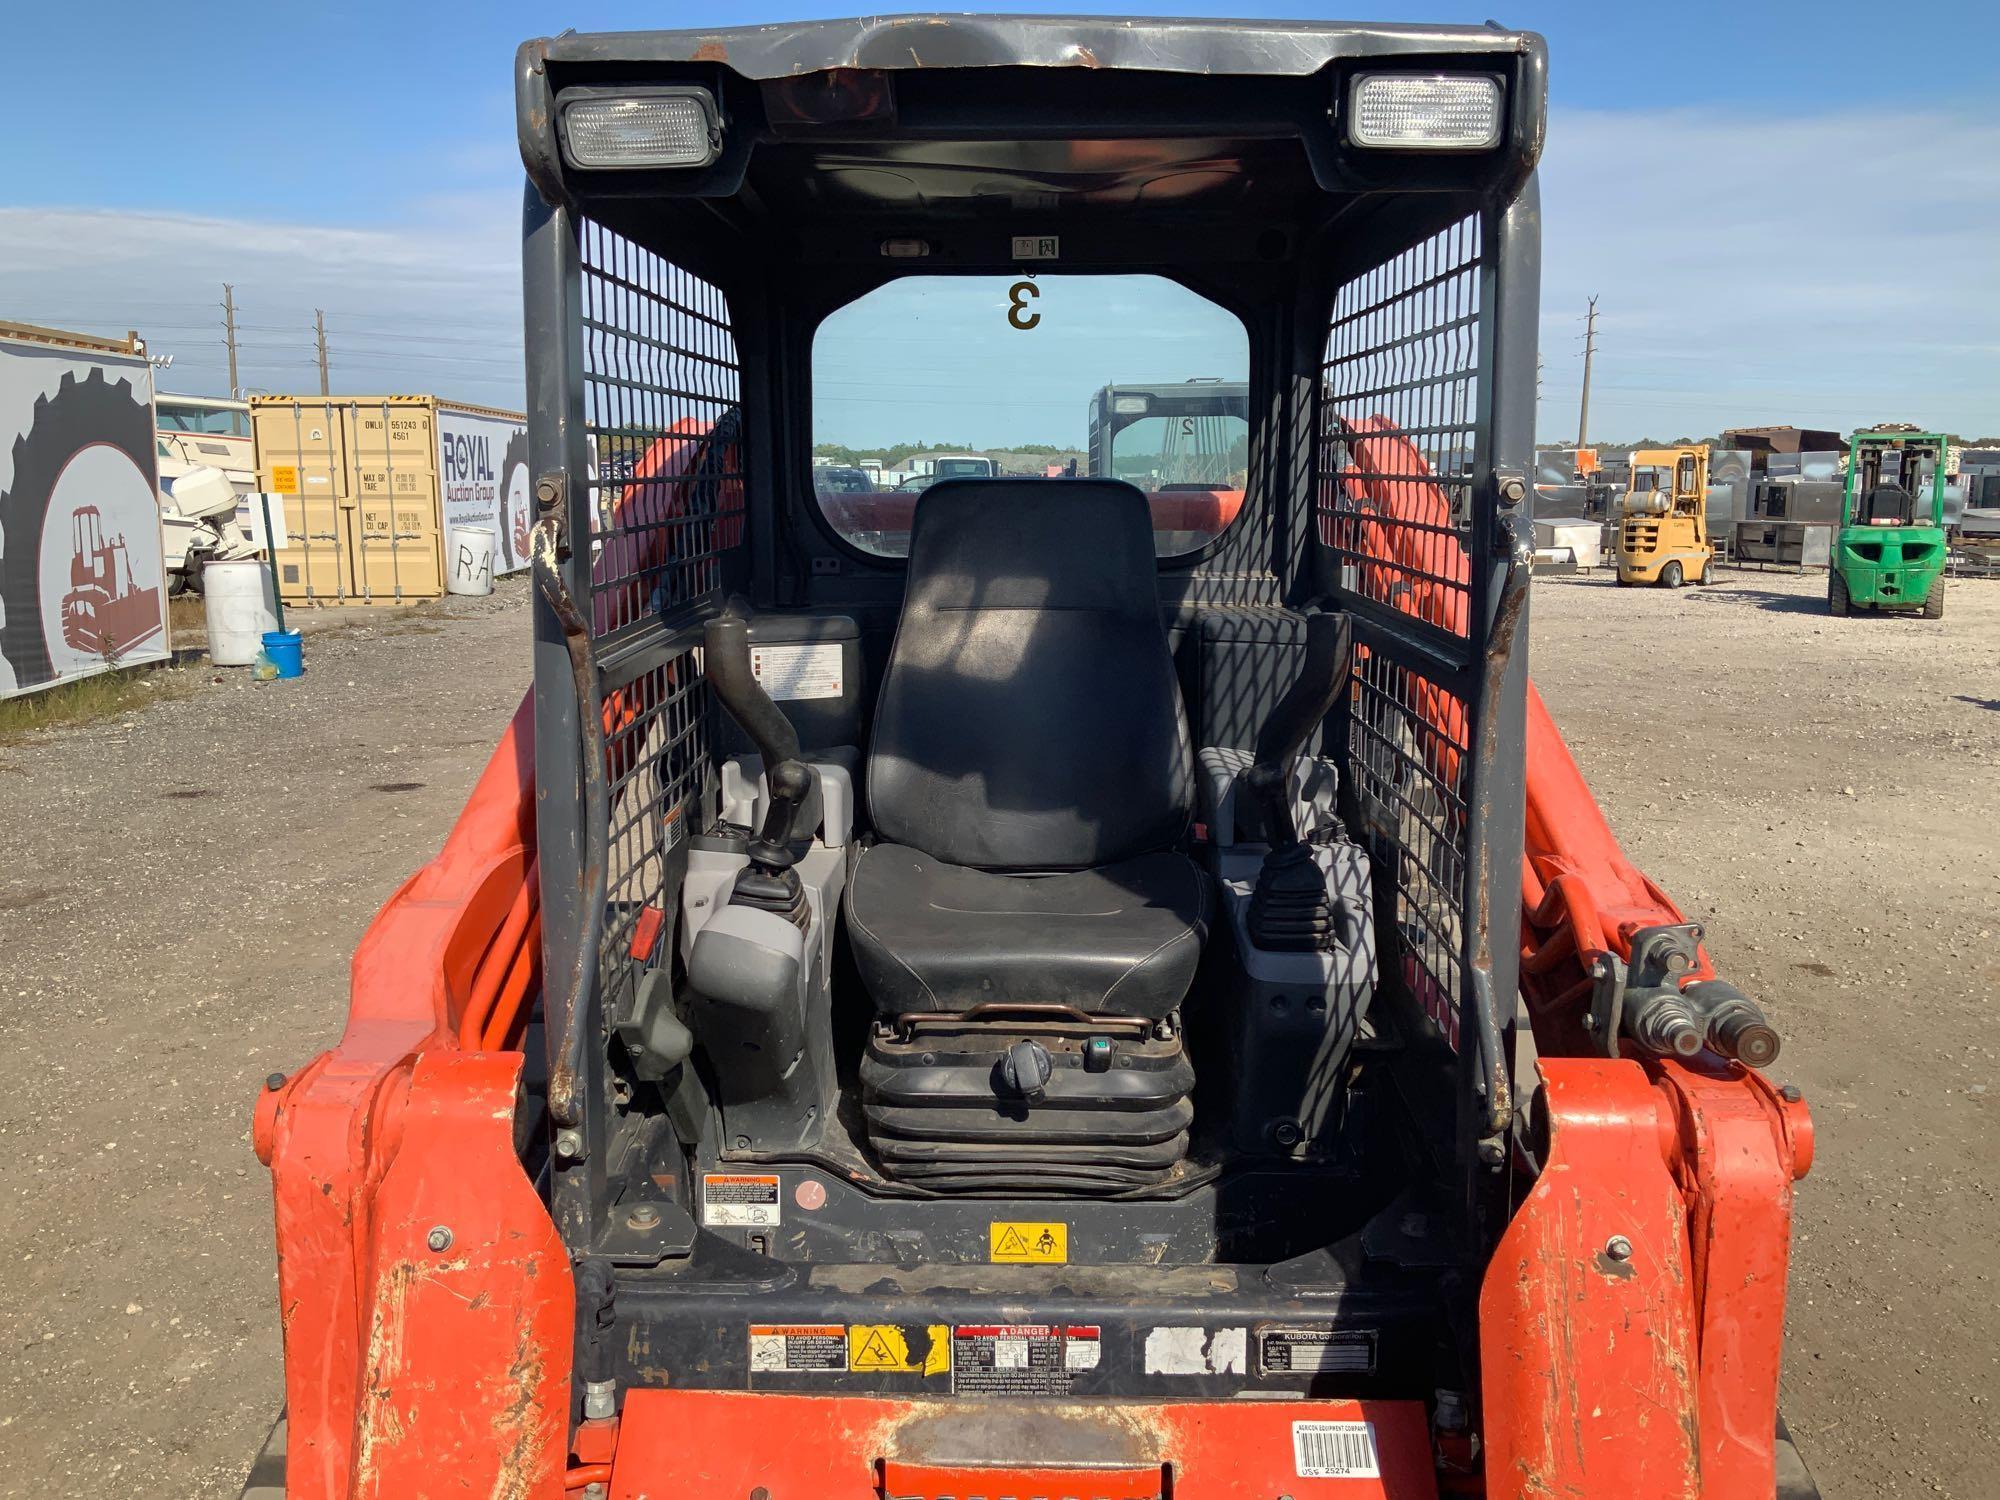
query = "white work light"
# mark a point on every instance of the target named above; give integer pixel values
(1425, 111)
(676, 127)
(1129, 406)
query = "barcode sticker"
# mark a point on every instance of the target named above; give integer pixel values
(1334, 1450)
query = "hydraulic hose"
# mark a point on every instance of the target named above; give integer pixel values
(566, 1017)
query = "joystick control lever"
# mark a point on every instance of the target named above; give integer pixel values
(770, 881)
(1310, 698)
(1291, 909)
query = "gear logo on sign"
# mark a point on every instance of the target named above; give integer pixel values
(1028, 1244)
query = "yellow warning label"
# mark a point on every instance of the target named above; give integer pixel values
(284, 479)
(888, 1348)
(1028, 1244)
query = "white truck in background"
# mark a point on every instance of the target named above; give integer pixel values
(208, 481)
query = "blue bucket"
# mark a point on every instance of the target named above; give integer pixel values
(284, 647)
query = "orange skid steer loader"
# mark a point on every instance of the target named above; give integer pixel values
(1055, 1007)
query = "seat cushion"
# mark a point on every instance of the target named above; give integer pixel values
(1122, 939)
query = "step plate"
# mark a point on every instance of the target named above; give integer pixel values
(726, 1445)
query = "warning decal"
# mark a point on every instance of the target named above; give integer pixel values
(1335, 1450)
(793, 672)
(284, 479)
(1315, 1351)
(892, 1349)
(1021, 1359)
(739, 1201)
(816, 1347)
(1028, 1244)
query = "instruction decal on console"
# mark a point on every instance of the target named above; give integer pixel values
(1013, 1243)
(1022, 1359)
(899, 1349)
(738, 1200)
(798, 1348)
(795, 672)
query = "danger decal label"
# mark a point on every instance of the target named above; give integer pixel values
(815, 1348)
(896, 1349)
(739, 1201)
(1315, 1351)
(1335, 1450)
(1012, 1243)
(1022, 1359)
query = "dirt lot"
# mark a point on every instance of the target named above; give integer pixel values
(181, 888)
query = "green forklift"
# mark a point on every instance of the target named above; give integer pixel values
(1890, 552)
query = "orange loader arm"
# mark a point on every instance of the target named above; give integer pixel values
(1632, 1318)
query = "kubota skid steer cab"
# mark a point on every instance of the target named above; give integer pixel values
(1008, 985)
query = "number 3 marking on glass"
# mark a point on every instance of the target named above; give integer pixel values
(1018, 296)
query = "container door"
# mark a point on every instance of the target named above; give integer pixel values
(302, 457)
(394, 518)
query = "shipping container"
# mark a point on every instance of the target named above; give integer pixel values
(82, 580)
(385, 497)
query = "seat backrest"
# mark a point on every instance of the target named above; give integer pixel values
(1030, 718)
(1889, 502)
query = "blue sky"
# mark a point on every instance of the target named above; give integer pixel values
(1699, 178)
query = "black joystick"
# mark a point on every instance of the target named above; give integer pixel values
(1290, 910)
(769, 882)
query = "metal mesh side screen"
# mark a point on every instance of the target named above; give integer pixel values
(662, 391)
(656, 753)
(1407, 743)
(1398, 443)
(662, 388)
(1399, 414)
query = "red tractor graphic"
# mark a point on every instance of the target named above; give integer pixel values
(105, 610)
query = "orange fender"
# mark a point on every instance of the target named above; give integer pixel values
(398, 1142)
(1631, 1319)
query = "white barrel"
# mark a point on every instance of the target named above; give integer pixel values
(469, 568)
(239, 608)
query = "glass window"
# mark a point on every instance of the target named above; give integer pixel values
(973, 377)
(220, 421)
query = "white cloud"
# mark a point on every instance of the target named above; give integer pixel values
(1825, 270)
(431, 303)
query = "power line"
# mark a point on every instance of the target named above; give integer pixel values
(1589, 348)
(229, 336)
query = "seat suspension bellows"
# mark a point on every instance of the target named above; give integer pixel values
(1059, 1104)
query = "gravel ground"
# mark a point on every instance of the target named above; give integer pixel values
(181, 889)
(1823, 796)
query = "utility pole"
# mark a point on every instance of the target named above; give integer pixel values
(229, 337)
(1589, 348)
(319, 333)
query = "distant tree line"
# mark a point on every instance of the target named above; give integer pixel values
(894, 455)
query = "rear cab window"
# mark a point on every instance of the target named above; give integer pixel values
(972, 377)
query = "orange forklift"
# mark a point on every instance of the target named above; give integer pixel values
(1041, 1009)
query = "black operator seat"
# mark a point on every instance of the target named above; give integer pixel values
(1030, 773)
(1891, 503)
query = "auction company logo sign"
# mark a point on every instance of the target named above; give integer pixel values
(468, 464)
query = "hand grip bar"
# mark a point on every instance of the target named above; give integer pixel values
(726, 664)
(1322, 677)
